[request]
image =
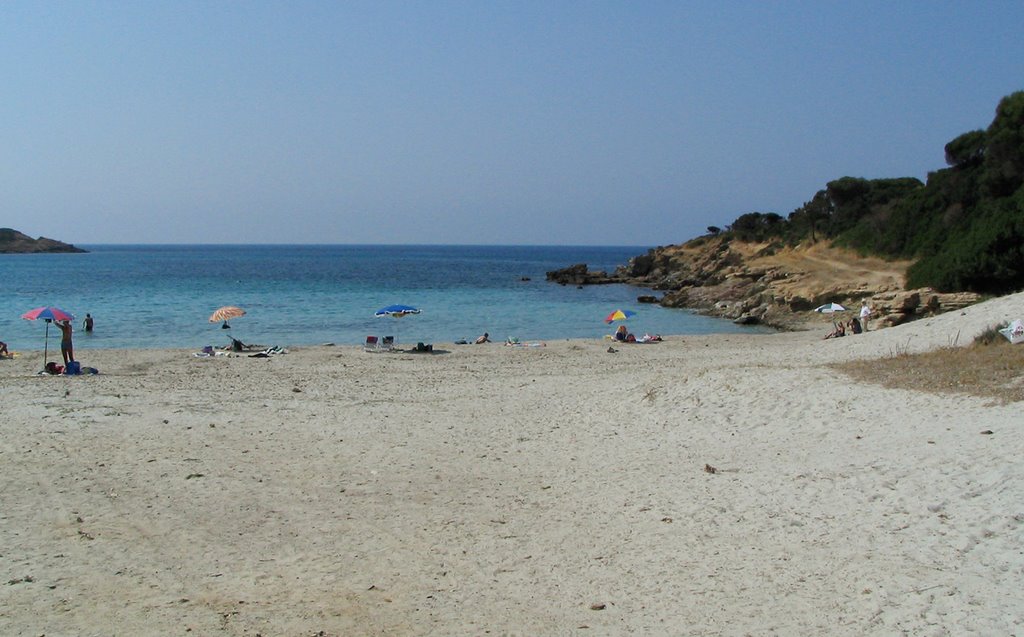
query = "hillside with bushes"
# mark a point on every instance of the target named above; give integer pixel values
(963, 229)
(908, 247)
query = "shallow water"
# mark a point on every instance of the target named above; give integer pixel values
(162, 296)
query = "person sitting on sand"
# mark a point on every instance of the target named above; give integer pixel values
(854, 326)
(838, 331)
(3, 350)
(486, 338)
(621, 334)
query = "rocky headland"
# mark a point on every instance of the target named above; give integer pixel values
(960, 231)
(14, 242)
(762, 283)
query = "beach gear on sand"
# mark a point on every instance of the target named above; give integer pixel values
(1014, 332)
(376, 344)
(515, 342)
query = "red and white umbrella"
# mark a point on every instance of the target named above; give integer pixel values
(47, 314)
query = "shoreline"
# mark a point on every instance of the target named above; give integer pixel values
(549, 490)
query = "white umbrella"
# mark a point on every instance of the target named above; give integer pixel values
(830, 308)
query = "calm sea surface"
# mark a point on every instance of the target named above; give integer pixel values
(161, 296)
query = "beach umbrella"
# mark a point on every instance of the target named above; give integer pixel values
(396, 311)
(619, 315)
(225, 313)
(47, 314)
(830, 308)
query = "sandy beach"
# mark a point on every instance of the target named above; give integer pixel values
(498, 490)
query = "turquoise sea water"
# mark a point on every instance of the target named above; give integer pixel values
(162, 296)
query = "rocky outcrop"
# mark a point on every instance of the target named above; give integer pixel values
(14, 242)
(771, 284)
(579, 275)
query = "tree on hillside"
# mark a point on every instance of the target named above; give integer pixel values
(965, 226)
(757, 226)
(967, 150)
(1004, 153)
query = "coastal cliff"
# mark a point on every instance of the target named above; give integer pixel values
(763, 283)
(14, 242)
(909, 248)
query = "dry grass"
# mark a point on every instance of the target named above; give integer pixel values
(992, 371)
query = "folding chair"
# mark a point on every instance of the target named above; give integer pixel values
(371, 344)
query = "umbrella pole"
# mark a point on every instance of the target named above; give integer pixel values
(46, 343)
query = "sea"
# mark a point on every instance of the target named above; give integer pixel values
(162, 296)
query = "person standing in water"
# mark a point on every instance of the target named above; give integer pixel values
(67, 350)
(87, 323)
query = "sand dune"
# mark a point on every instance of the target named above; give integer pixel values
(489, 489)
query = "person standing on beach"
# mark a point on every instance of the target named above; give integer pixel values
(87, 323)
(865, 314)
(67, 350)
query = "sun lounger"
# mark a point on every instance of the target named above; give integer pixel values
(374, 344)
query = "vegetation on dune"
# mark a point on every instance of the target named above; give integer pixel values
(964, 228)
(988, 368)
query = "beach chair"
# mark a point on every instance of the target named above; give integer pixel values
(371, 344)
(387, 344)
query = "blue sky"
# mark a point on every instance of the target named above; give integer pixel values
(601, 123)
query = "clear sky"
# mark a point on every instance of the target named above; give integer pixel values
(477, 122)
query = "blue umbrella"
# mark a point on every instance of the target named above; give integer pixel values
(397, 311)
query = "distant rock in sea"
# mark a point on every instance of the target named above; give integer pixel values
(14, 242)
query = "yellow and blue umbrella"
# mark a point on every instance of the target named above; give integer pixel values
(619, 315)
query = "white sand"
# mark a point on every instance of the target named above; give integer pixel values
(508, 490)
